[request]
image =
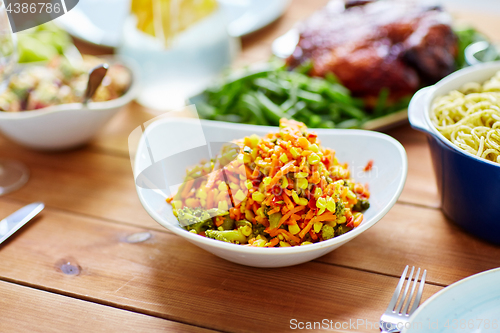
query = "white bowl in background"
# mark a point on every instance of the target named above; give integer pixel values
(65, 126)
(167, 137)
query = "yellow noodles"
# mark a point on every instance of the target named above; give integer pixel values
(470, 118)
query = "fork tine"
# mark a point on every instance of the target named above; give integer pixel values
(419, 293)
(415, 281)
(395, 296)
(400, 305)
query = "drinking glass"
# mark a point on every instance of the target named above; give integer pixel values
(13, 174)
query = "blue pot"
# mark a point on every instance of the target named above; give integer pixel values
(469, 186)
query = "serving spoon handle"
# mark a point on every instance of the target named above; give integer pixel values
(96, 75)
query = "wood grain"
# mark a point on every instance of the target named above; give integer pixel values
(420, 187)
(411, 235)
(26, 309)
(167, 277)
(75, 260)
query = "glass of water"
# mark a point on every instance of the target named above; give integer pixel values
(178, 66)
(13, 174)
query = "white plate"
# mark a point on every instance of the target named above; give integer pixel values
(167, 137)
(471, 305)
(100, 22)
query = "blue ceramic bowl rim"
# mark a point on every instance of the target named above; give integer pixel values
(430, 96)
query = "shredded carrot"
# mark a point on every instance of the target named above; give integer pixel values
(210, 199)
(287, 200)
(306, 229)
(325, 217)
(368, 166)
(274, 210)
(187, 188)
(262, 174)
(358, 220)
(313, 234)
(289, 235)
(290, 212)
(273, 242)
(218, 221)
(283, 171)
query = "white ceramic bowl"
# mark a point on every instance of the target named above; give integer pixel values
(64, 126)
(167, 137)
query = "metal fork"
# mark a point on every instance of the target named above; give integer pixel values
(395, 317)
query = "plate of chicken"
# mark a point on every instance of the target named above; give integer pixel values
(375, 48)
(352, 64)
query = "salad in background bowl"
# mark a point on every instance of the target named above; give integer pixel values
(42, 107)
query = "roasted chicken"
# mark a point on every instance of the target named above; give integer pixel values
(371, 45)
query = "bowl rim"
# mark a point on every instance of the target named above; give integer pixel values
(430, 96)
(92, 106)
(339, 240)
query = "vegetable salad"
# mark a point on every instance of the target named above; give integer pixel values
(280, 190)
(58, 82)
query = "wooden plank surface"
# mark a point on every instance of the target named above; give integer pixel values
(76, 260)
(26, 309)
(167, 277)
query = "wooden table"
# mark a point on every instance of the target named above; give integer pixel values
(73, 268)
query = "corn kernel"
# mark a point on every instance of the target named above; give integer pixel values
(299, 201)
(284, 182)
(240, 196)
(257, 196)
(294, 152)
(302, 183)
(280, 237)
(305, 243)
(248, 184)
(284, 244)
(351, 195)
(301, 174)
(330, 204)
(303, 142)
(321, 211)
(313, 159)
(249, 215)
(247, 158)
(201, 193)
(294, 229)
(314, 148)
(318, 192)
(177, 204)
(259, 243)
(341, 220)
(222, 187)
(260, 212)
(283, 158)
(317, 226)
(240, 158)
(266, 180)
(223, 205)
(321, 203)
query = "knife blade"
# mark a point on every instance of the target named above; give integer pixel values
(16, 220)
